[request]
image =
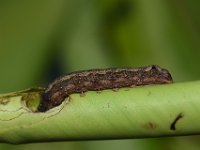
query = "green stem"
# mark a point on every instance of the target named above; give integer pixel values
(150, 111)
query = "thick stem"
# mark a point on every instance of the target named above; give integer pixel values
(141, 112)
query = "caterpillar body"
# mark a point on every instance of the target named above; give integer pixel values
(101, 79)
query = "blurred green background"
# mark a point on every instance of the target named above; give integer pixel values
(42, 39)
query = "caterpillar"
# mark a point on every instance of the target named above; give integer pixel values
(101, 79)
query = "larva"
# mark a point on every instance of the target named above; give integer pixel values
(101, 79)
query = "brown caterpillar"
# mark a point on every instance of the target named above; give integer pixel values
(101, 79)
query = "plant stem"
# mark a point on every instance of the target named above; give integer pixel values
(141, 112)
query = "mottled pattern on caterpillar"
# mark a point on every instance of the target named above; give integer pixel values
(101, 79)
